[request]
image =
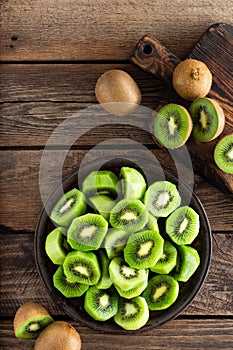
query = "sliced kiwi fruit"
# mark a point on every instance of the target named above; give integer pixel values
(87, 232)
(188, 261)
(172, 126)
(161, 198)
(161, 292)
(143, 249)
(124, 276)
(167, 261)
(208, 119)
(115, 241)
(56, 245)
(102, 204)
(105, 280)
(132, 313)
(129, 215)
(30, 319)
(101, 304)
(152, 223)
(102, 182)
(223, 154)
(183, 225)
(67, 288)
(133, 184)
(82, 267)
(135, 291)
(69, 206)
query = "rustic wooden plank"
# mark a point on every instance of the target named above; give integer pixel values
(177, 334)
(20, 185)
(102, 30)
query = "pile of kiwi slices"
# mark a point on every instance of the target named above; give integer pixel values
(122, 246)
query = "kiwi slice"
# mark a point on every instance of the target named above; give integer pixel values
(56, 245)
(132, 313)
(101, 304)
(102, 182)
(172, 126)
(87, 232)
(223, 154)
(208, 119)
(30, 319)
(133, 184)
(115, 242)
(152, 223)
(129, 215)
(188, 261)
(161, 198)
(134, 292)
(67, 288)
(161, 292)
(167, 261)
(69, 206)
(124, 276)
(105, 280)
(102, 204)
(82, 267)
(183, 225)
(143, 249)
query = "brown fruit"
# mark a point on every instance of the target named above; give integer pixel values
(192, 79)
(118, 86)
(58, 335)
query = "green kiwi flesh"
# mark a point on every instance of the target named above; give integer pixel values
(183, 225)
(133, 184)
(31, 328)
(105, 280)
(134, 292)
(56, 245)
(152, 223)
(115, 242)
(102, 182)
(223, 154)
(167, 261)
(102, 204)
(188, 262)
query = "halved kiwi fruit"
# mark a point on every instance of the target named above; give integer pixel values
(187, 264)
(143, 249)
(30, 319)
(101, 304)
(102, 204)
(105, 280)
(133, 292)
(152, 223)
(208, 119)
(82, 267)
(115, 242)
(161, 292)
(161, 198)
(172, 126)
(87, 232)
(223, 154)
(56, 245)
(133, 184)
(102, 182)
(167, 261)
(69, 206)
(129, 215)
(183, 225)
(132, 313)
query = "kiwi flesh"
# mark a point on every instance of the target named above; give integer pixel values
(67, 288)
(223, 154)
(187, 264)
(105, 280)
(183, 225)
(161, 292)
(129, 215)
(30, 319)
(58, 335)
(133, 292)
(167, 261)
(132, 313)
(102, 204)
(172, 126)
(115, 241)
(143, 249)
(152, 223)
(208, 119)
(101, 182)
(56, 245)
(82, 267)
(69, 206)
(161, 198)
(101, 304)
(133, 184)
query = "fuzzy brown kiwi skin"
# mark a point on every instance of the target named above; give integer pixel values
(59, 335)
(221, 118)
(27, 311)
(192, 79)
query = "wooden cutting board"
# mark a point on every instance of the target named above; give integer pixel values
(215, 48)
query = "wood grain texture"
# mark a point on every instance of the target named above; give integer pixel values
(93, 30)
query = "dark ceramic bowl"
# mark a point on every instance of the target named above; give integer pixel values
(74, 307)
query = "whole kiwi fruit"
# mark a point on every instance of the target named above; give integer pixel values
(59, 335)
(192, 79)
(118, 92)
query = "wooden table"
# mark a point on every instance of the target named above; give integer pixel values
(52, 54)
